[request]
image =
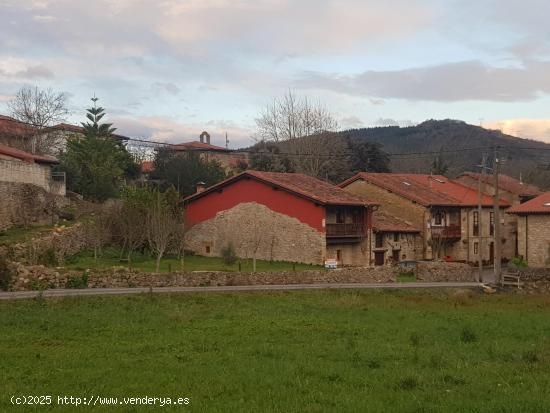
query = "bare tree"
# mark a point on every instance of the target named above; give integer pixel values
(305, 132)
(40, 109)
(291, 117)
(161, 228)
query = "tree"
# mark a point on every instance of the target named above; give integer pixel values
(96, 163)
(266, 156)
(439, 165)
(367, 156)
(41, 109)
(184, 170)
(161, 227)
(304, 132)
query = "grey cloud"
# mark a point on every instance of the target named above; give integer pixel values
(35, 72)
(167, 87)
(470, 80)
(351, 122)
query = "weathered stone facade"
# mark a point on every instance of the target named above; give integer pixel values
(254, 230)
(436, 271)
(24, 204)
(16, 171)
(405, 245)
(534, 239)
(462, 249)
(35, 277)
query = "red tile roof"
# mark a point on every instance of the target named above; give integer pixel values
(384, 222)
(13, 127)
(507, 183)
(197, 146)
(426, 190)
(25, 156)
(538, 205)
(147, 167)
(303, 185)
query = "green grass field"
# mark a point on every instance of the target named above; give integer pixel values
(111, 257)
(321, 351)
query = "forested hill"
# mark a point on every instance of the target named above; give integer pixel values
(457, 136)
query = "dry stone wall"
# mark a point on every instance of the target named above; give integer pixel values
(437, 271)
(254, 230)
(37, 276)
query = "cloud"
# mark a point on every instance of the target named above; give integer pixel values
(35, 72)
(351, 122)
(538, 129)
(163, 129)
(167, 87)
(469, 80)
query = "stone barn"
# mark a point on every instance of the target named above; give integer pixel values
(281, 217)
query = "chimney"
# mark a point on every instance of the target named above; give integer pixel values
(200, 187)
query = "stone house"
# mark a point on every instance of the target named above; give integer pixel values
(533, 218)
(16, 134)
(17, 166)
(281, 217)
(231, 160)
(393, 240)
(444, 210)
(512, 190)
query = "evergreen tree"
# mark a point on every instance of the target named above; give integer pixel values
(96, 163)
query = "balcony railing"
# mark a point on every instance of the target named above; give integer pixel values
(346, 230)
(448, 232)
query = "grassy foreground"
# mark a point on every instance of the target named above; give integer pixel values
(146, 263)
(322, 351)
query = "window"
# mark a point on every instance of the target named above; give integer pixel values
(476, 247)
(439, 218)
(492, 223)
(208, 249)
(476, 223)
(396, 236)
(379, 240)
(340, 217)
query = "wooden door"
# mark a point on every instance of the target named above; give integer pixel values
(492, 252)
(379, 257)
(395, 256)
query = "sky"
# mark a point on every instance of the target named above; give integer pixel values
(167, 70)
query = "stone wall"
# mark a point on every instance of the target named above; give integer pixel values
(25, 204)
(38, 276)
(534, 239)
(434, 271)
(24, 172)
(255, 230)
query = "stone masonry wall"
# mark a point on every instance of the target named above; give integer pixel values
(534, 240)
(23, 172)
(255, 230)
(436, 271)
(24, 204)
(38, 276)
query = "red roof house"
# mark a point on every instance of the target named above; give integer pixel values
(511, 189)
(445, 210)
(301, 218)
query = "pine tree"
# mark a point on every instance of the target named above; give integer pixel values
(96, 163)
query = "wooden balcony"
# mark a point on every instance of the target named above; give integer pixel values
(346, 230)
(447, 232)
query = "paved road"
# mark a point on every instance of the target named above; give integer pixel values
(291, 287)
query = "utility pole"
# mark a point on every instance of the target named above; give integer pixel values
(479, 220)
(496, 213)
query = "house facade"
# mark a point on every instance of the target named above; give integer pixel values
(280, 217)
(17, 166)
(445, 211)
(533, 219)
(393, 240)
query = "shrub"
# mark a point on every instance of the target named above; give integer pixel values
(47, 258)
(228, 254)
(77, 282)
(6, 276)
(518, 262)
